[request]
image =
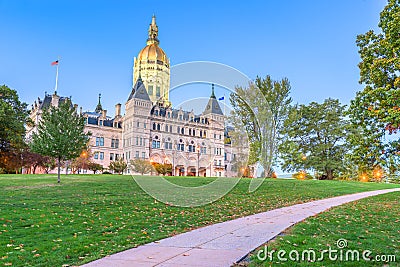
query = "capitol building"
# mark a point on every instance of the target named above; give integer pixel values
(151, 128)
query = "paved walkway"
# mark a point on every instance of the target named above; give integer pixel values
(223, 244)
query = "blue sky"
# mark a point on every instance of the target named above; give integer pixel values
(312, 43)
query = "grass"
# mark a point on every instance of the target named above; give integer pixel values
(368, 224)
(91, 216)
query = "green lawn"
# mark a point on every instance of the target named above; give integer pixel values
(368, 224)
(88, 217)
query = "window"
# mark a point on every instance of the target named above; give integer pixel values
(150, 89)
(101, 123)
(181, 147)
(155, 144)
(116, 156)
(190, 131)
(137, 140)
(137, 154)
(158, 127)
(111, 156)
(225, 156)
(180, 117)
(182, 131)
(143, 155)
(99, 141)
(138, 124)
(158, 91)
(156, 112)
(101, 155)
(203, 150)
(96, 155)
(144, 125)
(114, 143)
(154, 126)
(191, 148)
(178, 129)
(141, 141)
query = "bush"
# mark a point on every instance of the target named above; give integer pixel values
(302, 175)
(107, 172)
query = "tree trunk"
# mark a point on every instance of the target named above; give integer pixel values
(329, 174)
(59, 170)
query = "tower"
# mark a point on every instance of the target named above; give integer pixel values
(152, 64)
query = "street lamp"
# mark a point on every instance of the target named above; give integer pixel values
(173, 161)
(198, 159)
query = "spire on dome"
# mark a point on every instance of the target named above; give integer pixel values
(153, 32)
(99, 108)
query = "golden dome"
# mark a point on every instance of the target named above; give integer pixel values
(153, 53)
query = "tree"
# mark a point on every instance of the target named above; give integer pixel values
(60, 134)
(163, 168)
(375, 111)
(262, 108)
(81, 162)
(95, 167)
(118, 166)
(13, 117)
(380, 71)
(33, 160)
(141, 166)
(314, 137)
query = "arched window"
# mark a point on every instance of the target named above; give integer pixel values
(190, 131)
(192, 147)
(156, 142)
(180, 146)
(183, 131)
(158, 127)
(154, 125)
(168, 143)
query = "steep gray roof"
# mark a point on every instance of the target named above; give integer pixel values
(213, 105)
(46, 102)
(139, 91)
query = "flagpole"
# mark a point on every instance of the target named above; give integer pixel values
(55, 88)
(224, 111)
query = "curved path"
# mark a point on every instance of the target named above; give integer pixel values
(225, 243)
